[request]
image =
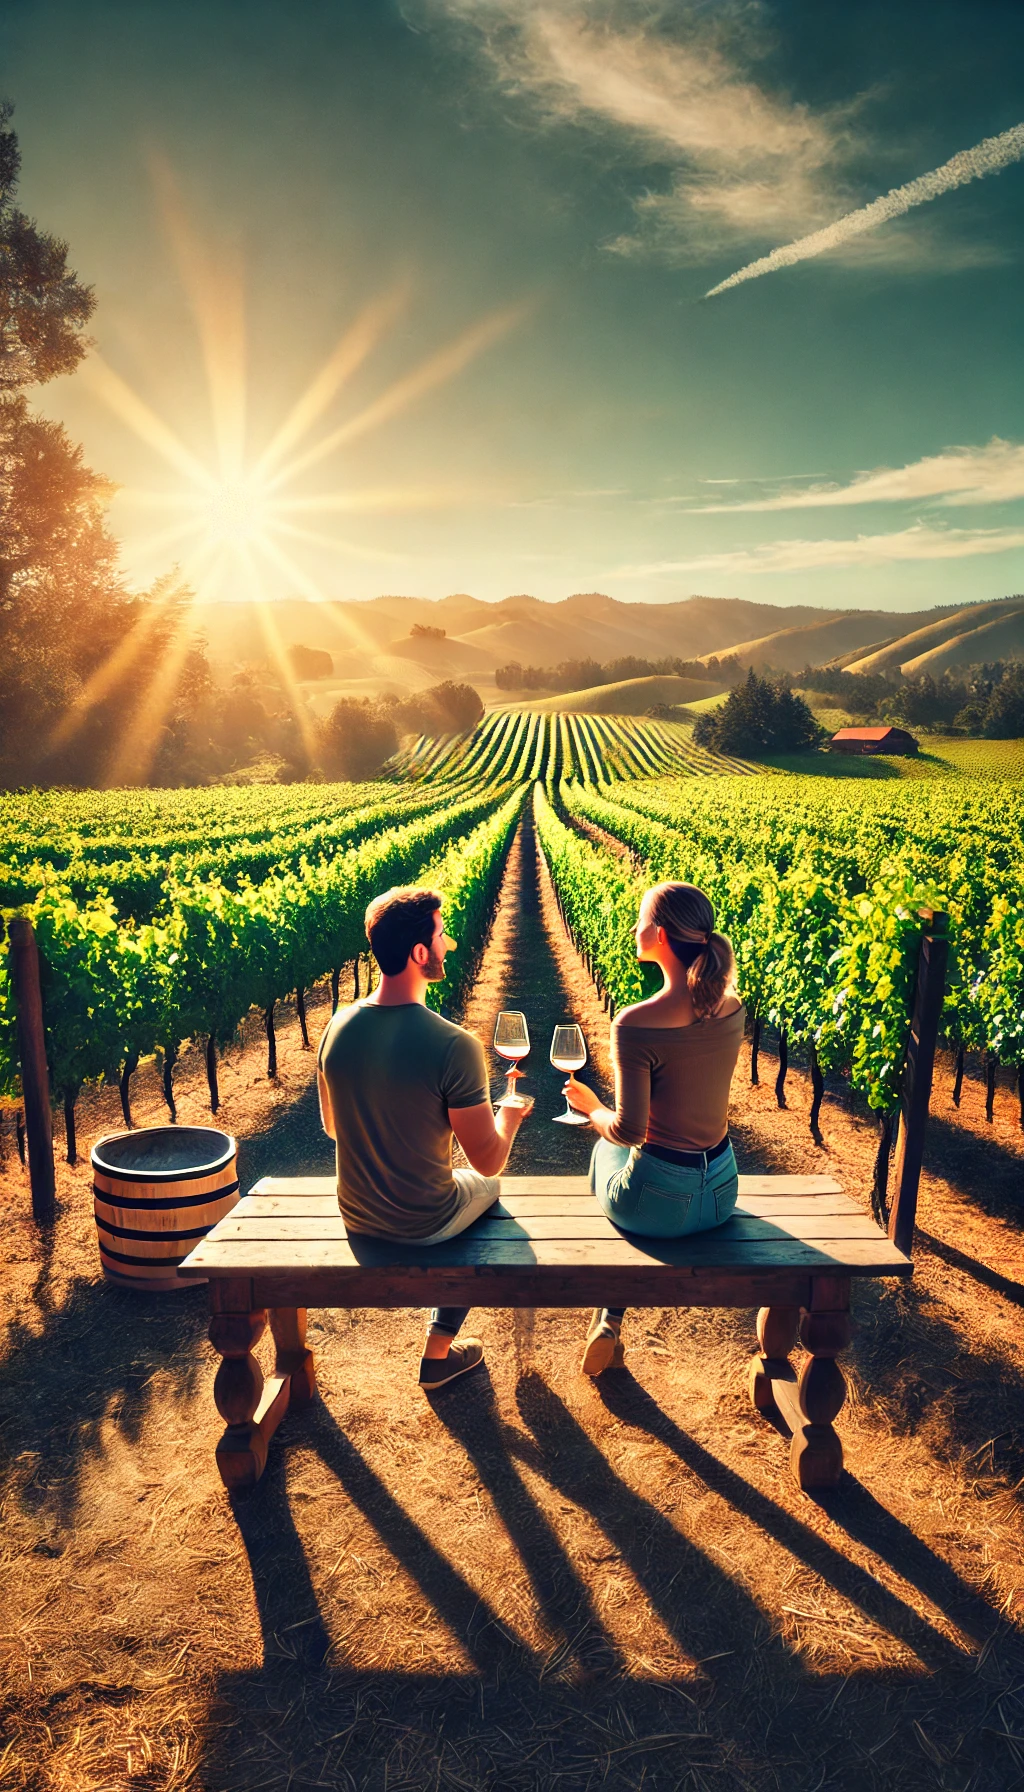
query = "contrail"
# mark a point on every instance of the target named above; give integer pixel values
(989, 157)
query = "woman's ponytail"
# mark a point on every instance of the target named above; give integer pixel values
(709, 976)
(688, 919)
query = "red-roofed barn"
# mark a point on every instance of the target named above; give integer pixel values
(873, 740)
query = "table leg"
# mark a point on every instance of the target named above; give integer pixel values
(291, 1357)
(251, 1405)
(811, 1400)
(235, 1326)
(776, 1334)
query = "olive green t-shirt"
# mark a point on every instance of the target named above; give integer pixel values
(393, 1073)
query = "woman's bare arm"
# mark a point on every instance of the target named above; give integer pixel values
(626, 1123)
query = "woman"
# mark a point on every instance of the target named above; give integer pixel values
(663, 1164)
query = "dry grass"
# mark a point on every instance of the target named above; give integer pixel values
(535, 1581)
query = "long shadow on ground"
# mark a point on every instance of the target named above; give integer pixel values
(92, 1359)
(754, 1714)
(749, 1711)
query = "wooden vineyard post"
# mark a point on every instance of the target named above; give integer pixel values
(917, 1077)
(35, 1079)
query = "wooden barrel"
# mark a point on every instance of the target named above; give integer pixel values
(157, 1192)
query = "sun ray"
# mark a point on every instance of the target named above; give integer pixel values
(151, 429)
(356, 344)
(101, 682)
(162, 539)
(276, 648)
(131, 761)
(234, 514)
(141, 498)
(345, 625)
(216, 294)
(396, 498)
(335, 543)
(435, 371)
(284, 563)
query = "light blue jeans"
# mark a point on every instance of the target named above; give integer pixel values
(659, 1199)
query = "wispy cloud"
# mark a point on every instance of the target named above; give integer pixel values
(746, 162)
(988, 157)
(990, 475)
(917, 543)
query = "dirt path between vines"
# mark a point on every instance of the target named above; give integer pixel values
(537, 1582)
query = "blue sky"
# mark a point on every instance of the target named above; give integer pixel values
(508, 214)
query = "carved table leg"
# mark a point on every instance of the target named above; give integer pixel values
(291, 1358)
(235, 1326)
(776, 1334)
(810, 1402)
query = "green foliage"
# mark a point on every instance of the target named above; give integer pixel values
(820, 890)
(114, 988)
(446, 708)
(44, 307)
(468, 876)
(357, 739)
(528, 744)
(996, 707)
(140, 881)
(584, 675)
(758, 717)
(599, 896)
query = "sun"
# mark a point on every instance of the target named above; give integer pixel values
(238, 513)
(235, 522)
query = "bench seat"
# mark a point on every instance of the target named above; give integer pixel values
(790, 1249)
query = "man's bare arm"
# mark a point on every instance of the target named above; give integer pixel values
(486, 1139)
(326, 1116)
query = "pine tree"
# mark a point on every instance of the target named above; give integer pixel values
(759, 717)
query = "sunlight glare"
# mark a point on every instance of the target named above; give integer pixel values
(236, 513)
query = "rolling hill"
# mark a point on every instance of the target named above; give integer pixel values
(907, 648)
(517, 628)
(630, 697)
(814, 643)
(1000, 639)
(374, 649)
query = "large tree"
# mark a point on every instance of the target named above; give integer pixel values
(44, 307)
(76, 648)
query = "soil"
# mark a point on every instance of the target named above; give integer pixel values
(535, 1581)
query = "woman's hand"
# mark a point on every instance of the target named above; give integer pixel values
(579, 1097)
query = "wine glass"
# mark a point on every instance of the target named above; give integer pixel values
(569, 1053)
(511, 1041)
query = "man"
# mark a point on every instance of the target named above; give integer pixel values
(396, 1083)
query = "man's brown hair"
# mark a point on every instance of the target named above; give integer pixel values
(397, 921)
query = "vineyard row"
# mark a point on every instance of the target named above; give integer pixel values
(115, 992)
(522, 746)
(829, 963)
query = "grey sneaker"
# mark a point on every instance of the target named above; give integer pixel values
(604, 1347)
(438, 1371)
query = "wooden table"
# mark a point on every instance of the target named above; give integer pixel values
(791, 1250)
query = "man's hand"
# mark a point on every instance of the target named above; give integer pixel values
(487, 1138)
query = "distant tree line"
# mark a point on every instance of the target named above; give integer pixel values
(583, 675)
(986, 700)
(360, 735)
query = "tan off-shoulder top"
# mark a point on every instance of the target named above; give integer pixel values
(672, 1083)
